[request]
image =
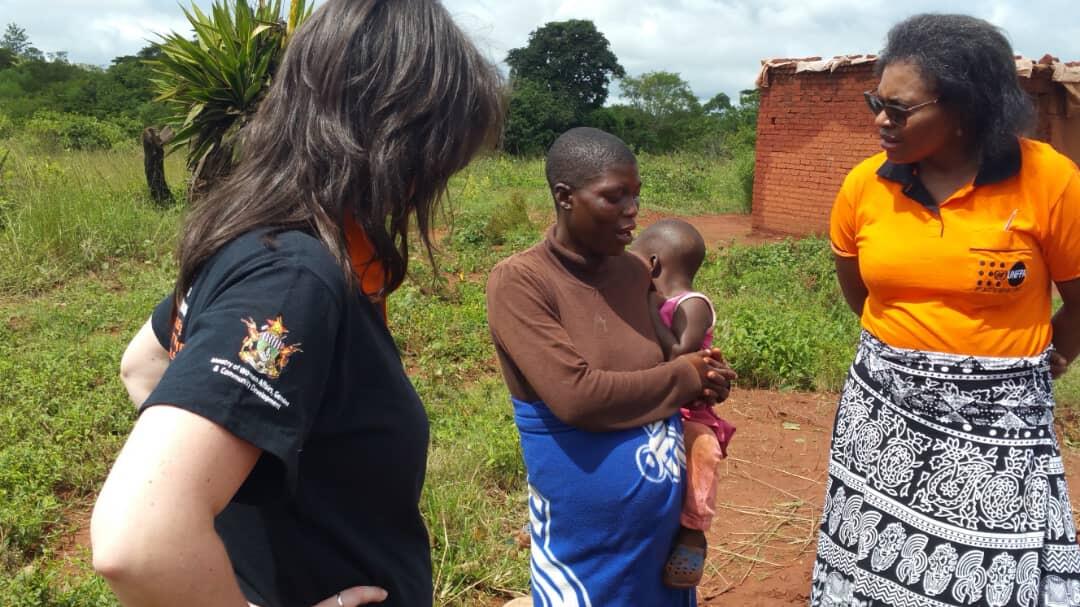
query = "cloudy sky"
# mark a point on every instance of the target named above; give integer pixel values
(716, 45)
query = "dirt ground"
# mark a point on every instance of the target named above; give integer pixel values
(761, 546)
(717, 230)
(770, 493)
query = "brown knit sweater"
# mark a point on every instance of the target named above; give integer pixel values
(579, 337)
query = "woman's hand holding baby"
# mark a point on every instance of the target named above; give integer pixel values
(715, 372)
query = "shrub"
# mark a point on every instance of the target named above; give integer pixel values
(55, 131)
(535, 117)
(508, 218)
(737, 181)
(7, 129)
(781, 319)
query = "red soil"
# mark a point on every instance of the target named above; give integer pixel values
(762, 544)
(717, 230)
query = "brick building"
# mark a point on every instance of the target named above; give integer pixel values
(814, 126)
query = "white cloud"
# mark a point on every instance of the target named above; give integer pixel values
(716, 45)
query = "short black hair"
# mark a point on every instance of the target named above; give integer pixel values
(970, 63)
(582, 154)
(675, 240)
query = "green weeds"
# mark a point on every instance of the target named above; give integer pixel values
(65, 214)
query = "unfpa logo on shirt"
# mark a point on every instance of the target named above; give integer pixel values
(994, 278)
(1017, 274)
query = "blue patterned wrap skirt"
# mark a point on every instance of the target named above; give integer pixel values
(603, 509)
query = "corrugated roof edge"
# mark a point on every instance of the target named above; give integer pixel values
(1066, 72)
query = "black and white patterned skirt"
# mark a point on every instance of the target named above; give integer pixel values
(946, 486)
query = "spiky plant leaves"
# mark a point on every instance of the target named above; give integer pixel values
(213, 81)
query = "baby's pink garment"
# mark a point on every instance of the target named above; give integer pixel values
(667, 313)
(700, 412)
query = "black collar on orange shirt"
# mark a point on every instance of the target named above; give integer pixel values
(993, 169)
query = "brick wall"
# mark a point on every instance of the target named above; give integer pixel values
(813, 127)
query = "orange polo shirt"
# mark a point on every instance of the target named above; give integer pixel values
(971, 275)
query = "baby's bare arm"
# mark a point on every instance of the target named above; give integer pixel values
(692, 320)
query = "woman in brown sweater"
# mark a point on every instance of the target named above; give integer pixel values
(596, 406)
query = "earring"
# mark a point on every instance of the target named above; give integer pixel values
(565, 205)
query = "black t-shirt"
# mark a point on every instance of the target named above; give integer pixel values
(272, 345)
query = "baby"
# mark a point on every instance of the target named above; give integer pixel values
(684, 322)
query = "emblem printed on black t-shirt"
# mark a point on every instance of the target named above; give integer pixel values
(176, 342)
(264, 347)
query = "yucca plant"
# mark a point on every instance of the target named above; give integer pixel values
(213, 83)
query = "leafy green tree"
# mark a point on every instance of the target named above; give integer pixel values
(33, 54)
(15, 40)
(675, 116)
(8, 58)
(128, 89)
(660, 94)
(213, 84)
(719, 104)
(628, 123)
(739, 124)
(572, 59)
(535, 118)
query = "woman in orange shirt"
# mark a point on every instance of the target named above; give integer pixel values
(946, 484)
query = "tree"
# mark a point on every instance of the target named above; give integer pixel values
(572, 59)
(674, 114)
(719, 104)
(214, 83)
(660, 94)
(15, 40)
(628, 123)
(8, 58)
(536, 116)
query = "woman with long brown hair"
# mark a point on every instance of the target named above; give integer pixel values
(280, 449)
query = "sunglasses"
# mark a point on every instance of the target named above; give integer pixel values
(896, 113)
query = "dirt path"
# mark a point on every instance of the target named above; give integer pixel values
(761, 547)
(717, 230)
(762, 543)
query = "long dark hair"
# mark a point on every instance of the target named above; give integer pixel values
(970, 63)
(376, 104)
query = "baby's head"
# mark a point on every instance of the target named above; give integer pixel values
(583, 154)
(673, 248)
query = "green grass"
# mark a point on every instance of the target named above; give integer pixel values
(781, 319)
(89, 256)
(63, 416)
(686, 184)
(1067, 392)
(65, 214)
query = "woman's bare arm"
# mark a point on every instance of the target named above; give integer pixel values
(851, 283)
(152, 531)
(1066, 324)
(143, 364)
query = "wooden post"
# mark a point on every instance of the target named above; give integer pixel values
(154, 165)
